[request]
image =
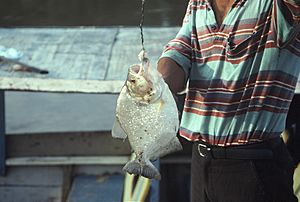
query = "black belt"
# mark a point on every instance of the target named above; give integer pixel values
(249, 151)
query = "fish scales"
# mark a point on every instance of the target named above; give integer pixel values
(147, 114)
(145, 122)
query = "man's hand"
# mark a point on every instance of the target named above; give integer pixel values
(173, 74)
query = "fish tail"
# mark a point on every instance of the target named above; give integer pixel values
(132, 167)
(150, 171)
(147, 169)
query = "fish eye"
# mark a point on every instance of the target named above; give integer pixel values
(132, 81)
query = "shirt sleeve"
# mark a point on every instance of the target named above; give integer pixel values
(287, 20)
(179, 49)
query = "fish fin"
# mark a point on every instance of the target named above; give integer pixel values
(173, 145)
(147, 170)
(117, 130)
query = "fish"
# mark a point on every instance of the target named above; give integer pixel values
(146, 114)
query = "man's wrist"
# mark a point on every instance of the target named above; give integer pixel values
(172, 73)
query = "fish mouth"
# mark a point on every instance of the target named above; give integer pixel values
(136, 68)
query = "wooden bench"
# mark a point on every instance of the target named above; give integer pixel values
(89, 60)
(85, 60)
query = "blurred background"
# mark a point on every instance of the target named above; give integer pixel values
(90, 13)
(66, 125)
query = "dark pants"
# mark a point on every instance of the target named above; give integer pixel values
(234, 180)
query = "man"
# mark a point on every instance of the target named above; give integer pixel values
(241, 59)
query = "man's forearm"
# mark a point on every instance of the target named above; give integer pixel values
(172, 73)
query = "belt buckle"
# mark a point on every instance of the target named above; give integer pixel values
(201, 148)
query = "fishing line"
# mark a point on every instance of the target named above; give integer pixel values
(142, 23)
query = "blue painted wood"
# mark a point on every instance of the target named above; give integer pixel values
(96, 189)
(2, 133)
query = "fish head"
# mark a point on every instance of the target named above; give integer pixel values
(143, 83)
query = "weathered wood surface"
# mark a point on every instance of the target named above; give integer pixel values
(128, 44)
(34, 176)
(68, 53)
(30, 194)
(66, 144)
(67, 160)
(30, 112)
(28, 184)
(78, 59)
(97, 188)
(96, 169)
(59, 85)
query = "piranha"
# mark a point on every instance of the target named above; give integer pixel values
(147, 114)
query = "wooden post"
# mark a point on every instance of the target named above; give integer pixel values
(2, 133)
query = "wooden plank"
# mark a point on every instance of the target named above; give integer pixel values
(60, 85)
(2, 134)
(128, 46)
(58, 112)
(33, 184)
(96, 169)
(67, 53)
(67, 160)
(30, 194)
(97, 188)
(66, 144)
(77, 59)
(39, 176)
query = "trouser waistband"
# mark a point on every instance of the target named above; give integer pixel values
(262, 150)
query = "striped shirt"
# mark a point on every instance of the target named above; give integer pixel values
(242, 74)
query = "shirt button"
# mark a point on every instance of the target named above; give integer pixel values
(214, 27)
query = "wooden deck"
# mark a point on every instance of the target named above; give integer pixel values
(79, 60)
(85, 60)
